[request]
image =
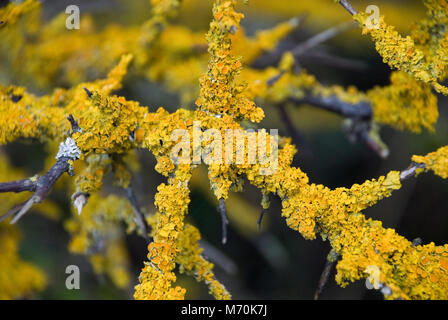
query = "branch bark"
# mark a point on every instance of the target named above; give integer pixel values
(347, 6)
(411, 171)
(321, 37)
(223, 211)
(361, 110)
(41, 186)
(139, 216)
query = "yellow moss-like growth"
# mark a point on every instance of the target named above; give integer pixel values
(264, 41)
(405, 104)
(161, 11)
(192, 262)
(114, 262)
(111, 127)
(28, 116)
(435, 161)
(219, 94)
(157, 276)
(426, 64)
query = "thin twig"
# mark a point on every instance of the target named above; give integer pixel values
(12, 211)
(297, 137)
(42, 185)
(360, 110)
(224, 221)
(331, 60)
(272, 80)
(260, 218)
(89, 93)
(347, 6)
(411, 171)
(367, 132)
(28, 184)
(329, 264)
(139, 216)
(378, 148)
(218, 257)
(321, 37)
(75, 126)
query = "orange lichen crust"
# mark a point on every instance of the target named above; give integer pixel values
(157, 276)
(219, 93)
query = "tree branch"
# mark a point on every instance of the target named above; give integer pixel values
(260, 218)
(411, 171)
(222, 210)
(28, 184)
(331, 60)
(139, 216)
(296, 136)
(324, 278)
(368, 133)
(321, 37)
(360, 110)
(347, 6)
(330, 262)
(42, 185)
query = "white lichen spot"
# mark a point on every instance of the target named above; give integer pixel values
(68, 149)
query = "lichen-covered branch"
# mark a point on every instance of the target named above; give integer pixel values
(107, 128)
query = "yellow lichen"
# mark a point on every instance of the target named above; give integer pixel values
(403, 54)
(18, 278)
(435, 161)
(112, 126)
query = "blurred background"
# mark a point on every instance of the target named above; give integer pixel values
(274, 262)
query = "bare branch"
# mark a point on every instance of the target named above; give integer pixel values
(360, 110)
(321, 37)
(89, 93)
(139, 216)
(28, 184)
(379, 148)
(331, 60)
(74, 124)
(34, 199)
(329, 264)
(411, 171)
(218, 257)
(297, 137)
(12, 211)
(260, 218)
(222, 210)
(368, 133)
(271, 81)
(42, 185)
(347, 6)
